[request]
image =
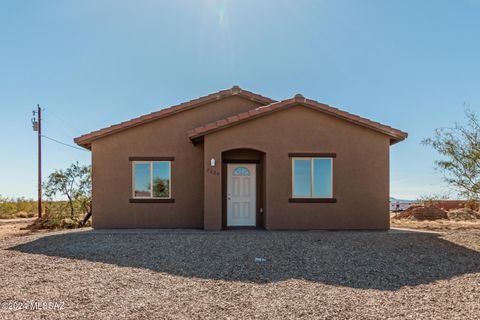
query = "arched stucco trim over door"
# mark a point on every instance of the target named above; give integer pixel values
(242, 148)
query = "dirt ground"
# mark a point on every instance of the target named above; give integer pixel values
(13, 227)
(435, 225)
(152, 274)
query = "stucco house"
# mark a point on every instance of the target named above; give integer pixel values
(238, 159)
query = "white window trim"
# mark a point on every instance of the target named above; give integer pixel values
(311, 177)
(151, 180)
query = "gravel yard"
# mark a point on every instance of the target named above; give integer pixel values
(197, 274)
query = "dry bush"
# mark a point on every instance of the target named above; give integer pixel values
(11, 208)
(473, 205)
(74, 185)
(58, 215)
(23, 214)
(463, 214)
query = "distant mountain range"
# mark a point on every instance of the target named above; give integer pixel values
(392, 199)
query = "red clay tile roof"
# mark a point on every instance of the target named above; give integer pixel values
(395, 134)
(86, 139)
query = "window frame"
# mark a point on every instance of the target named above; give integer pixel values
(312, 175)
(134, 162)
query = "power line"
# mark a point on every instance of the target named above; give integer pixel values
(63, 143)
(66, 123)
(72, 131)
(59, 130)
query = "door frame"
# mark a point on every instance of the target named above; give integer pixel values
(251, 180)
(258, 191)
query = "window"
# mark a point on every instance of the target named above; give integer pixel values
(151, 179)
(312, 178)
(241, 171)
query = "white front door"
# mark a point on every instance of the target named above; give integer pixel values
(241, 195)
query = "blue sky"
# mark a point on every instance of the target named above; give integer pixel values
(407, 63)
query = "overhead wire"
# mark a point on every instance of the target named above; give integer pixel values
(63, 143)
(66, 123)
(63, 132)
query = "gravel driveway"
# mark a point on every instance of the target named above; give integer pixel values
(199, 274)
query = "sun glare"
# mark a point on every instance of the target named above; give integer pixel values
(221, 15)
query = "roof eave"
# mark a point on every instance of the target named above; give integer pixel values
(86, 139)
(395, 135)
(398, 139)
(84, 144)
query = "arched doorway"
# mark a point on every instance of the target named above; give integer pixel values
(243, 188)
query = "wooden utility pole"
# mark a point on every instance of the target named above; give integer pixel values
(39, 110)
(37, 126)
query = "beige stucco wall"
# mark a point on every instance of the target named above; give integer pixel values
(112, 172)
(360, 174)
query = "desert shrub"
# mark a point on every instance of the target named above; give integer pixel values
(23, 214)
(17, 207)
(463, 214)
(459, 147)
(74, 185)
(58, 214)
(472, 205)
